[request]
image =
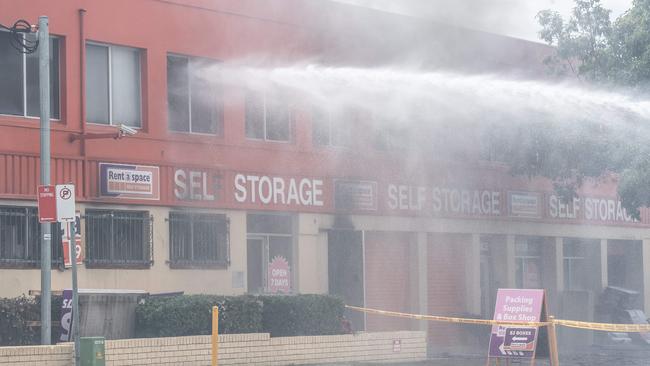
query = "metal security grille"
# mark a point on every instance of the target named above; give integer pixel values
(20, 244)
(118, 239)
(198, 239)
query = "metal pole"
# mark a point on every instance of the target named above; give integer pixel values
(46, 233)
(75, 292)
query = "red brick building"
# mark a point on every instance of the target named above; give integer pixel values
(220, 180)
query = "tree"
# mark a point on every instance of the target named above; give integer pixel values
(598, 52)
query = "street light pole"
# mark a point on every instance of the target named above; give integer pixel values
(46, 232)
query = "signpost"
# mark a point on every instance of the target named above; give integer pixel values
(46, 204)
(516, 342)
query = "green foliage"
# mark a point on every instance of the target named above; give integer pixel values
(278, 315)
(14, 315)
(302, 315)
(591, 47)
(192, 315)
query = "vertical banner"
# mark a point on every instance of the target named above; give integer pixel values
(516, 305)
(66, 242)
(66, 317)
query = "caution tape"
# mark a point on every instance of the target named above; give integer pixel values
(446, 319)
(606, 327)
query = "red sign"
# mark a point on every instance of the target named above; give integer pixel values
(279, 275)
(46, 204)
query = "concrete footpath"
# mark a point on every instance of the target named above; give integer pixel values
(635, 355)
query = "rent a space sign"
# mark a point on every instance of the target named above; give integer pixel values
(129, 181)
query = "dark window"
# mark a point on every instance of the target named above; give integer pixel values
(20, 93)
(20, 233)
(332, 127)
(267, 116)
(198, 239)
(118, 239)
(113, 85)
(193, 96)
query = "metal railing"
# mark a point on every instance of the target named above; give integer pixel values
(198, 239)
(118, 239)
(20, 245)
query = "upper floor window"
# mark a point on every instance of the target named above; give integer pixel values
(332, 127)
(267, 116)
(113, 85)
(193, 98)
(20, 93)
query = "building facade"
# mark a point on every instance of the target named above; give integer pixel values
(227, 190)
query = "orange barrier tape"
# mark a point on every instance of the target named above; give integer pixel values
(446, 319)
(606, 327)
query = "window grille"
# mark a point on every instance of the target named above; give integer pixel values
(198, 239)
(118, 239)
(20, 233)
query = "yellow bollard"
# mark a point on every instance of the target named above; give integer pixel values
(215, 336)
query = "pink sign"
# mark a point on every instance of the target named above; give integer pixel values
(516, 305)
(279, 275)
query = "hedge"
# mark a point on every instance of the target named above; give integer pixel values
(278, 315)
(192, 315)
(302, 315)
(15, 313)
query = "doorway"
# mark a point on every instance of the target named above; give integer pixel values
(345, 269)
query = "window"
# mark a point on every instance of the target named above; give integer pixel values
(20, 233)
(20, 92)
(332, 127)
(198, 239)
(528, 260)
(575, 252)
(269, 238)
(118, 239)
(267, 116)
(113, 85)
(193, 99)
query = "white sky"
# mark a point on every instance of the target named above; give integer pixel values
(510, 17)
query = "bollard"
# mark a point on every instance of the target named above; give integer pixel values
(215, 336)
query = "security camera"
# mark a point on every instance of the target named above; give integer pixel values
(127, 131)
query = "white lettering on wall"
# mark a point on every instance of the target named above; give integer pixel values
(278, 190)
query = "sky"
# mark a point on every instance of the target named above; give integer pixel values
(514, 18)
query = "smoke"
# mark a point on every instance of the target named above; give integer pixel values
(515, 18)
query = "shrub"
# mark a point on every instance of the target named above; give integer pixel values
(302, 315)
(279, 315)
(192, 315)
(14, 315)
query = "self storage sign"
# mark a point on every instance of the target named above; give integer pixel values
(129, 181)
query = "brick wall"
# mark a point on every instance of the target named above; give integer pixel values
(237, 349)
(37, 355)
(388, 279)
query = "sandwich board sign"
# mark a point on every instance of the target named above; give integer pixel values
(513, 341)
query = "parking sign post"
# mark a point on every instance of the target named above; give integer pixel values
(66, 213)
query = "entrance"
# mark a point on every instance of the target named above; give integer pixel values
(345, 268)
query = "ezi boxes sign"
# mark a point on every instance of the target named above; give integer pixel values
(129, 181)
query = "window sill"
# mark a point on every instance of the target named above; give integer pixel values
(118, 265)
(197, 265)
(25, 264)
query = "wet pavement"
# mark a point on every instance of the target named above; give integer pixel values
(635, 355)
